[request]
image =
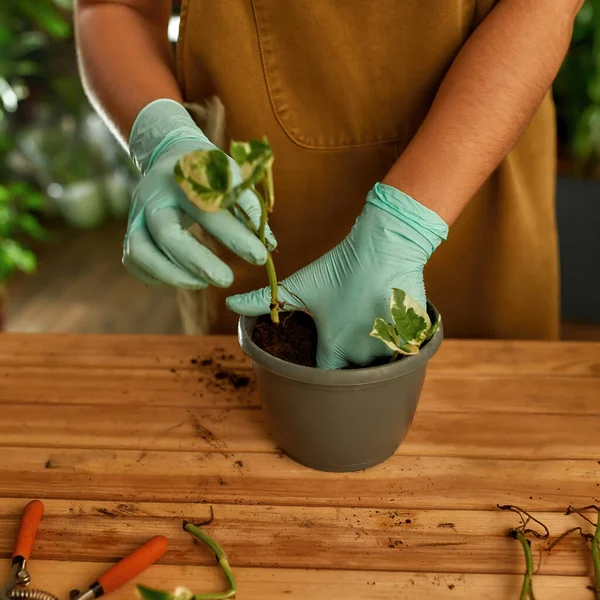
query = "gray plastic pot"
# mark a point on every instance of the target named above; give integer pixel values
(338, 420)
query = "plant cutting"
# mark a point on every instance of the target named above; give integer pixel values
(205, 177)
(207, 180)
(594, 539)
(182, 593)
(520, 534)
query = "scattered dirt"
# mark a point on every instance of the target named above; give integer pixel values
(293, 340)
(239, 463)
(236, 380)
(218, 378)
(202, 432)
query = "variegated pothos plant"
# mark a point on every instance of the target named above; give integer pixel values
(206, 178)
(411, 325)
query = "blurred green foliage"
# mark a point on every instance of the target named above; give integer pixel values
(577, 93)
(18, 205)
(56, 156)
(28, 28)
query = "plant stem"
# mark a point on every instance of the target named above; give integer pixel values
(274, 303)
(274, 306)
(527, 589)
(263, 217)
(221, 559)
(596, 558)
(595, 539)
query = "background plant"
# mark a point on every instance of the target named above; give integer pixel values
(577, 94)
(18, 224)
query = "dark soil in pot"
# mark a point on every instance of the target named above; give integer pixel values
(293, 340)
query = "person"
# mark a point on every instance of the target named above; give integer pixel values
(390, 122)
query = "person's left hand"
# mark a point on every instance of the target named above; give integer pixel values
(351, 285)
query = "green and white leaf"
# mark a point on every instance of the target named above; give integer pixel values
(408, 349)
(149, 594)
(411, 320)
(435, 327)
(180, 593)
(255, 159)
(205, 177)
(387, 334)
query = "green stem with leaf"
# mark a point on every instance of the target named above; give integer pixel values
(221, 559)
(206, 178)
(272, 276)
(519, 534)
(527, 588)
(151, 594)
(594, 539)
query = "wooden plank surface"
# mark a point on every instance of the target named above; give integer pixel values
(443, 392)
(311, 584)
(400, 482)
(300, 537)
(465, 357)
(530, 436)
(125, 436)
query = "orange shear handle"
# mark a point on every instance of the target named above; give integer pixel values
(132, 565)
(32, 515)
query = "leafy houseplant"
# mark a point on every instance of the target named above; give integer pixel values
(577, 95)
(308, 408)
(18, 204)
(205, 177)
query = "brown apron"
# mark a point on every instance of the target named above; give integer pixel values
(339, 88)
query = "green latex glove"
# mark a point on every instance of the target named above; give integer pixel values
(351, 285)
(158, 248)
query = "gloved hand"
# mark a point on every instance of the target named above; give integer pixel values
(158, 248)
(351, 285)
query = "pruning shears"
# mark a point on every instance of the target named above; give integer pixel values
(119, 574)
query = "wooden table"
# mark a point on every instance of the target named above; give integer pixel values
(123, 437)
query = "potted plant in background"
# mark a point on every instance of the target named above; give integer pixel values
(329, 420)
(51, 136)
(577, 98)
(19, 204)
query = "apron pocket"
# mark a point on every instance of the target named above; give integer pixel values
(347, 74)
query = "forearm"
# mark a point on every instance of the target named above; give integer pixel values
(486, 100)
(124, 57)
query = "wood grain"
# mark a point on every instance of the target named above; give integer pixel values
(458, 357)
(125, 436)
(185, 388)
(311, 584)
(526, 436)
(300, 537)
(400, 482)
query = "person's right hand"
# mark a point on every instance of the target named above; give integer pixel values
(157, 247)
